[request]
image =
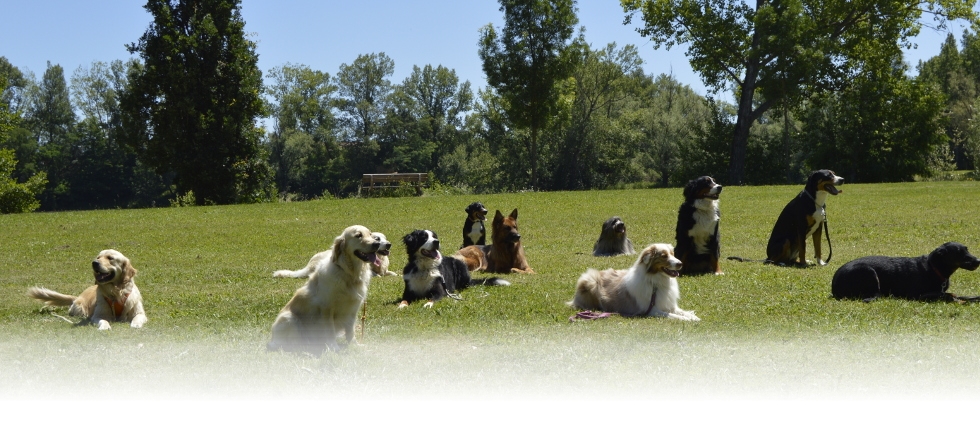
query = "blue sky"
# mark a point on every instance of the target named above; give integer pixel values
(326, 34)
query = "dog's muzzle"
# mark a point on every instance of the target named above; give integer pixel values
(100, 275)
(970, 265)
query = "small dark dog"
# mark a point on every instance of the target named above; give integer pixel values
(474, 233)
(923, 277)
(698, 242)
(612, 240)
(430, 276)
(801, 218)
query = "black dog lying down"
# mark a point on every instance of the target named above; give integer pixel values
(923, 277)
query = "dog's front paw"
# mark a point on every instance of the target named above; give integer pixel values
(402, 305)
(138, 321)
(821, 262)
(428, 304)
(104, 325)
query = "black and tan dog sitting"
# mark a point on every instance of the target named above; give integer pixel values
(923, 277)
(474, 233)
(801, 218)
(612, 239)
(698, 243)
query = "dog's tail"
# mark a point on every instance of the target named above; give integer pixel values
(298, 274)
(586, 291)
(51, 297)
(492, 281)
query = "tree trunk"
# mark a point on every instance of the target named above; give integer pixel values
(740, 141)
(533, 153)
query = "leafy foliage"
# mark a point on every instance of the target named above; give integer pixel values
(886, 127)
(18, 197)
(302, 146)
(198, 95)
(528, 63)
(785, 50)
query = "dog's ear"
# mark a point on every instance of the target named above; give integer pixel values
(407, 239)
(128, 272)
(645, 257)
(339, 244)
(513, 214)
(498, 218)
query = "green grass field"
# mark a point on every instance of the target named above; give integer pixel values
(205, 274)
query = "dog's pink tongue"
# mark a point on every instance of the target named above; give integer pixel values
(437, 255)
(373, 258)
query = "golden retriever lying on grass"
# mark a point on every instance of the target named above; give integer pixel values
(648, 288)
(114, 297)
(327, 304)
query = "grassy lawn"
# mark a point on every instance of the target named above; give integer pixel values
(205, 274)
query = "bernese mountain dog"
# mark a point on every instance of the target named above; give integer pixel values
(612, 239)
(428, 275)
(474, 233)
(698, 243)
(801, 218)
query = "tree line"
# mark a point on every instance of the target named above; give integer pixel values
(191, 120)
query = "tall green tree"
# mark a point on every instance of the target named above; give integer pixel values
(14, 197)
(673, 116)
(303, 145)
(199, 95)
(17, 137)
(13, 95)
(105, 172)
(948, 72)
(528, 62)
(425, 120)
(364, 89)
(784, 49)
(50, 117)
(598, 146)
(883, 127)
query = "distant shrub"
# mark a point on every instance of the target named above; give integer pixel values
(18, 197)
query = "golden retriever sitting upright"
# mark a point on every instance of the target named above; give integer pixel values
(379, 269)
(648, 288)
(114, 297)
(327, 304)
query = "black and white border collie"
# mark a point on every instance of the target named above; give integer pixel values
(428, 275)
(474, 233)
(698, 243)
